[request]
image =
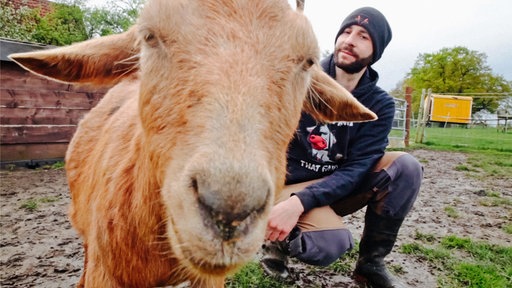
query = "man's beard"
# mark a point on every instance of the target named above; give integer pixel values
(356, 66)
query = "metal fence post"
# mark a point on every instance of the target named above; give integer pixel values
(408, 100)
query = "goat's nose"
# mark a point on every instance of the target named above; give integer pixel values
(228, 208)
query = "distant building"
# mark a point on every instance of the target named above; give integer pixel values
(44, 5)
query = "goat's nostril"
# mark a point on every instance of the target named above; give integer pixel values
(227, 230)
(193, 184)
(226, 224)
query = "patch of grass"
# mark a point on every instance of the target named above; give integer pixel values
(462, 168)
(425, 253)
(33, 204)
(489, 153)
(477, 275)
(493, 194)
(345, 265)
(429, 238)
(55, 166)
(481, 164)
(48, 199)
(396, 269)
(486, 162)
(502, 163)
(58, 165)
(496, 201)
(463, 139)
(451, 212)
(253, 276)
(30, 205)
(508, 228)
(467, 263)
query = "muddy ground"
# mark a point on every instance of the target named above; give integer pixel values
(39, 248)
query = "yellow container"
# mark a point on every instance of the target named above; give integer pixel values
(450, 109)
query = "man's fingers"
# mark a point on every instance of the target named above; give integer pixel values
(282, 236)
(274, 234)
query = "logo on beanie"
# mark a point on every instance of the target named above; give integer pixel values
(362, 21)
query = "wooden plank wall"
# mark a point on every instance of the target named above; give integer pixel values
(39, 116)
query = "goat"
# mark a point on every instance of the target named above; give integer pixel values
(173, 173)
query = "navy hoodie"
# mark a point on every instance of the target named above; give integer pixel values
(343, 151)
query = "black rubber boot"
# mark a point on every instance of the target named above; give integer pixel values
(275, 260)
(379, 236)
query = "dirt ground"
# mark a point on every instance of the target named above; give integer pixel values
(40, 248)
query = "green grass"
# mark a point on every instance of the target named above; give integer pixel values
(466, 139)
(466, 263)
(451, 212)
(30, 205)
(345, 265)
(429, 238)
(33, 204)
(48, 199)
(493, 202)
(491, 163)
(253, 276)
(59, 165)
(495, 199)
(489, 151)
(508, 228)
(462, 168)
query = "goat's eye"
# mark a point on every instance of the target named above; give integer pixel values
(150, 39)
(308, 63)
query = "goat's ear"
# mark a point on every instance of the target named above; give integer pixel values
(328, 101)
(104, 60)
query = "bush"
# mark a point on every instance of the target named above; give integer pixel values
(19, 24)
(63, 26)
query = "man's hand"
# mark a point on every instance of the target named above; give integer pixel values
(283, 217)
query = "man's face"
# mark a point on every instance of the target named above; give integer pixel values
(353, 49)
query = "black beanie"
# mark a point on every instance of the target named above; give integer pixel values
(375, 23)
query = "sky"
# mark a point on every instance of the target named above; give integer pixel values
(423, 27)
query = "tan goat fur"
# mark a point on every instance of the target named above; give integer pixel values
(173, 173)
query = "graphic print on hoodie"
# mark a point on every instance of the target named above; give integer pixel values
(322, 141)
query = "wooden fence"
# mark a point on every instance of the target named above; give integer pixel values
(39, 116)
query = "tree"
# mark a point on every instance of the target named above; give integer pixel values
(69, 21)
(114, 17)
(63, 26)
(456, 70)
(399, 90)
(18, 24)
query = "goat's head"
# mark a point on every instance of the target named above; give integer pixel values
(222, 86)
